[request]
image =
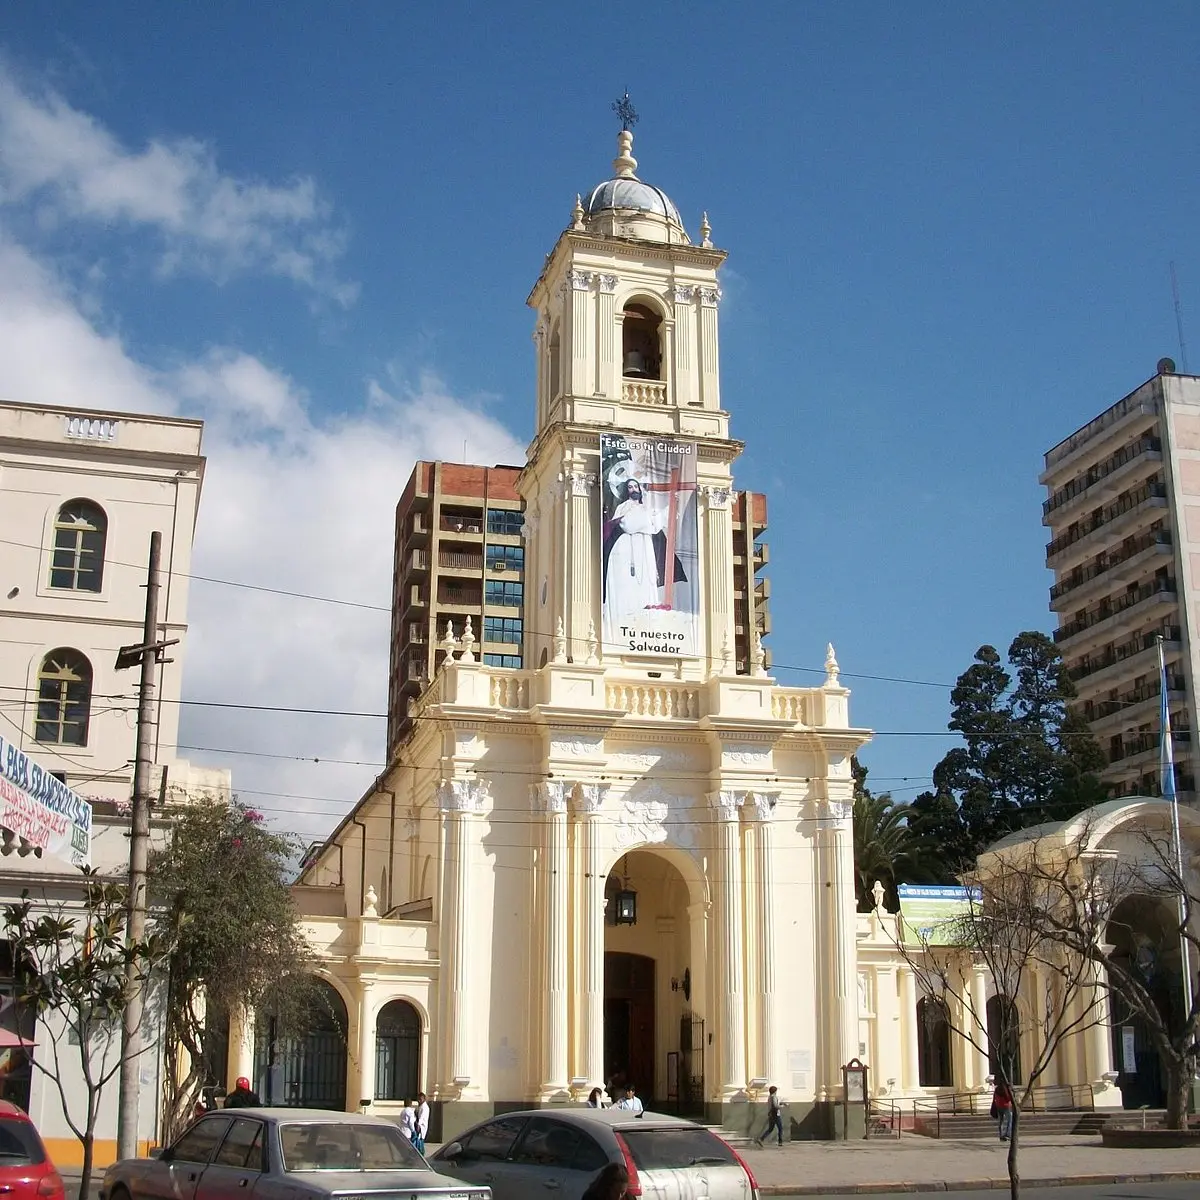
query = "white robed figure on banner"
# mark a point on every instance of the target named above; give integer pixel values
(631, 578)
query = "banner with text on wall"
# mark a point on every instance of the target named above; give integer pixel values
(36, 806)
(930, 913)
(649, 545)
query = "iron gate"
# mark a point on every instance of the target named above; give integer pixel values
(691, 1065)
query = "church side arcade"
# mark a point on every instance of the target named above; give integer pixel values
(624, 861)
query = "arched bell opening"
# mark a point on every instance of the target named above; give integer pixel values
(641, 343)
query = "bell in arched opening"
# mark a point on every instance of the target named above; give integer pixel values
(641, 344)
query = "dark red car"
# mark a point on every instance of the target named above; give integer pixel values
(26, 1172)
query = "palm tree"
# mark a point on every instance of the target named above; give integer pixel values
(885, 846)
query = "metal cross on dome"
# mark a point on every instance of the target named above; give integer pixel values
(624, 109)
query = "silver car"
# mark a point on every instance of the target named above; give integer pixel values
(285, 1154)
(559, 1151)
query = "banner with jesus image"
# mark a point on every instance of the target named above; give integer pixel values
(649, 545)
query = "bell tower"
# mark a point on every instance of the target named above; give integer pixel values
(628, 487)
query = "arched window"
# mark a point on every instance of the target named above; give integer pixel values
(300, 1060)
(1004, 1038)
(933, 1043)
(64, 698)
(641, 343)
(80, 530)
(397, 1052)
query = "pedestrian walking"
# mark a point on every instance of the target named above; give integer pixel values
(630, 1102)
(609, 1184)
(242, 1096)
(1002, 1109)
(421, 1123)
(774, 1116)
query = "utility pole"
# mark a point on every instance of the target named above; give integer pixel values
(148, 654)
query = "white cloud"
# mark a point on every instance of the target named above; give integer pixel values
(63, 164)
(292, 500)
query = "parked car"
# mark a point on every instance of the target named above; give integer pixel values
(524, 1154)
(26, 1172)
(284, 1154)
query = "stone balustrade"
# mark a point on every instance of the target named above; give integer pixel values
(650, 392)
(646, 699)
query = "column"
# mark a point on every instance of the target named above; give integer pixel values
(607, 371)
(366, 1043)
(889, 1065)
(840, 992)
(582, 563)
(718, 549)
(730, 930)
(589, 799)
(241, 1045)
(550, 797)
(684, 375)
(983, 1066)
(910, 1078)
(579, 299)
(765, 919)
(460, 800)
(710, 367)
(1099, 1033)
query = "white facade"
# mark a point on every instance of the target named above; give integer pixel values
(80, 494)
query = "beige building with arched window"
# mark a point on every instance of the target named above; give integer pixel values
(80, 494)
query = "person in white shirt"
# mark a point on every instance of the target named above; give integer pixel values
(421, 1123)
(408, 1121)
(631, 1103)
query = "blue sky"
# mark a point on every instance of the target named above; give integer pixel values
(949, 230)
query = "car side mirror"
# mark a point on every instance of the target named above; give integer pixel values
(162, 1153)
(452, 1151)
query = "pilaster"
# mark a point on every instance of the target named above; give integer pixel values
(550, 799)
(759, 809)
(839, 994)
(589, 799)
(983, 1067)
(728, 889)
(718, 574)
(710, 366)
(687, 392)
(366, 1043)
(579, 298)
(608, 369)
(582, 617)
(910, 1075)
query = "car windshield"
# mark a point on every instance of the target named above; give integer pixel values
(19, 1143)
(681, 1146)
(353, 1146)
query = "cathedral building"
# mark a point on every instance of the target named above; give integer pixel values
(629, 858)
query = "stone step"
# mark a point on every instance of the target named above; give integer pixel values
(1058, 1122)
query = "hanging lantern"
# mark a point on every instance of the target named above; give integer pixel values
(626, 899)
(626, 907)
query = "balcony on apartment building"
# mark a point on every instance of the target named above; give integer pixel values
(417, 560)
(1133, 706)
(1103, 668)
(1106, 569)
(1110, 525)
(452, 593)
(1136, 749)
(1124, 415)
(1095, 622)
(454, 558)
(468, 522)
(1103, 479)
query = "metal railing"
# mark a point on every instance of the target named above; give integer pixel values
(885, 1118)
(1080, 576)
(1101, 470)
(1111, 608)
(1153, 489)
(1127, 649)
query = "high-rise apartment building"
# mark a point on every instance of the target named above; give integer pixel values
(459, 556)
(1123, 509)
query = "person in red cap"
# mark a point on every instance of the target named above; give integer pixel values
(242, 1096)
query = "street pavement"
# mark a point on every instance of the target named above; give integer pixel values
(913, 1163)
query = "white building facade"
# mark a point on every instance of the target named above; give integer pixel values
(80, 494)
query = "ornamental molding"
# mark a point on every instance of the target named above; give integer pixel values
(718, 497)
(649, 814)
(710, 297)
(411, 827)
(725, 804)
(589, 797)
(549, 796)
(839, 810)
(579, 746)
(464, 795)
(764, 804)
(748, 754)
(582, 483)
(664, 760)
(608, 283)
(685, 295)
(581, 281)
(529, 528)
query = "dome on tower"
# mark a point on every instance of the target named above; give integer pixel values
(626, 206)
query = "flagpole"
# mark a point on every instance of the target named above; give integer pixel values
(1167, 776)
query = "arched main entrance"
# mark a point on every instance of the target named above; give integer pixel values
(1143, 934)
(653, 983)
(300, 1060)
(397, 1052)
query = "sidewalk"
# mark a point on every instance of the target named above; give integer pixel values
(919, 1164)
